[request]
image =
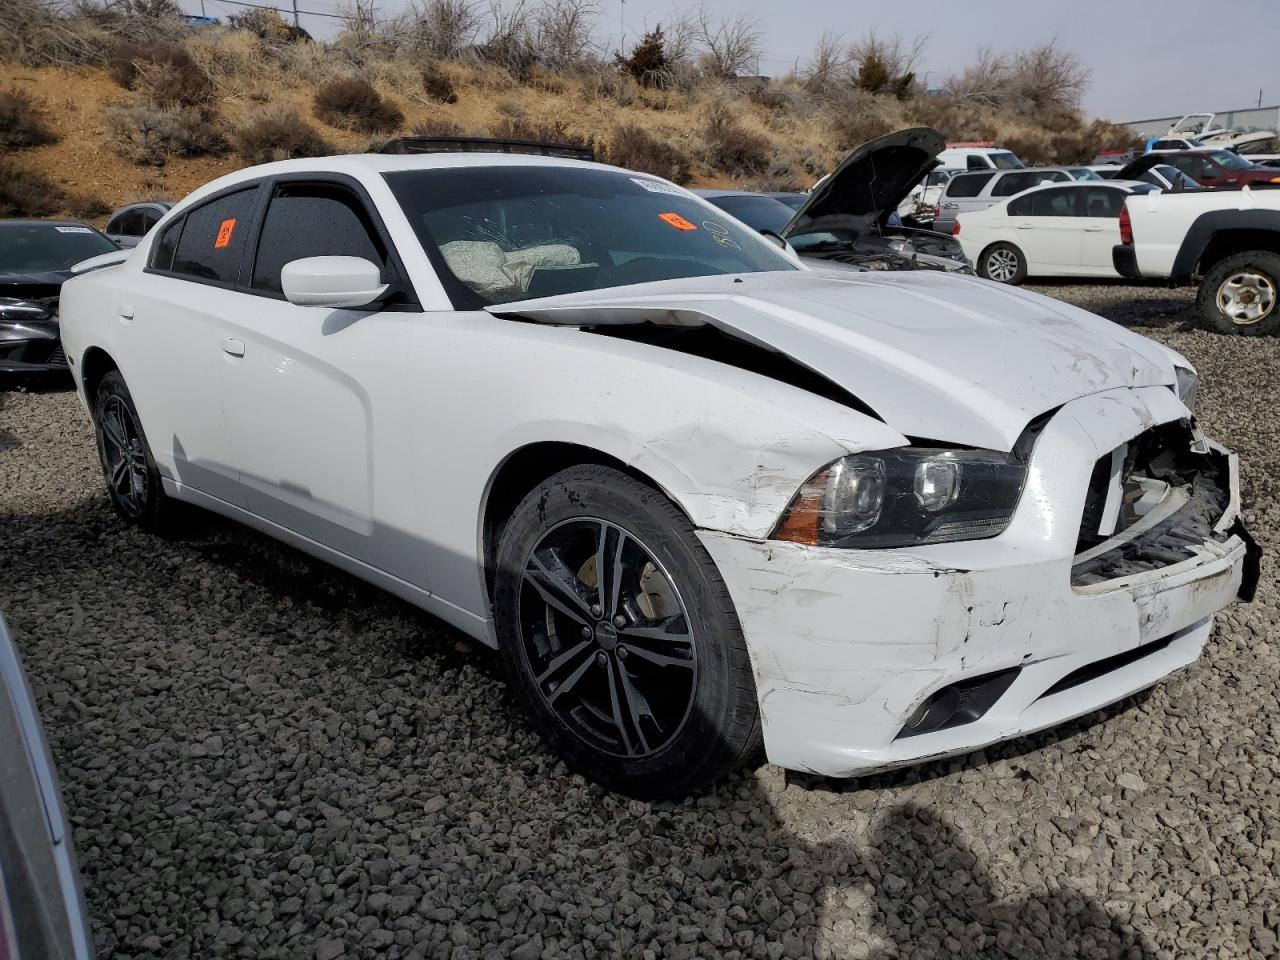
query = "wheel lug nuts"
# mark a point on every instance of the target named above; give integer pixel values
(595, 610)
(622, 653)
(586, 633)
(602, 658)
(619, 621)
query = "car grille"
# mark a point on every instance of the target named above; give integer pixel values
(1165, 455)
(57, 356)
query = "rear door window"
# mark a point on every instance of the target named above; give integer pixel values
(213, 239)
(1044, 203)
(968, 184)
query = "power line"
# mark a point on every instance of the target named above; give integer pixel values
(281, 10)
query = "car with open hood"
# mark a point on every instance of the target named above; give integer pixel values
(850, 216)
(35, 258)
(709, 500)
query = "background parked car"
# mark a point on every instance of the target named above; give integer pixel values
(36, 256)
(974, 191)
(130, 223)
(851, 217)
(963, 157)
(1209, 168)
(42, 914)
(1055, 230)
(923, 198)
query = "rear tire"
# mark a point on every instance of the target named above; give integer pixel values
(641, 682)
(1003, 263)
(1241, 294)
(133, 482)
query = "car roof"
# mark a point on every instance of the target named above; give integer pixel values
(363, 164)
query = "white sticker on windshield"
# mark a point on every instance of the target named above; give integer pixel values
(657, 186)
(73, 229)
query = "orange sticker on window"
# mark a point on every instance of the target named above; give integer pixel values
(224, 233)
(677, 221)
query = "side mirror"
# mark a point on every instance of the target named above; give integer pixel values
(775, 238)
(336, 282)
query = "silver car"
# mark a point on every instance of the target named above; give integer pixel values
(130, 223)
(42, 914)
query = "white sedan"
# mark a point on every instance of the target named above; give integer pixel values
(674, 475)
(1053, 230)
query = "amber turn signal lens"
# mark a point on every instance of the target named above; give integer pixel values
(805, 513)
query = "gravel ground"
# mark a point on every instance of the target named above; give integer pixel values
(263, 757)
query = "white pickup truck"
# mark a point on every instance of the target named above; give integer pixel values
(1229, 239)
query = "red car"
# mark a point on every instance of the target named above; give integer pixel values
(1209, 168)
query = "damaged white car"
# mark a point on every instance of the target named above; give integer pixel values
(710, 503)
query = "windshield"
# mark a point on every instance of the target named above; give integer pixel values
(758, 213)
(47, 247)
(1083, 173)
(1232, 161)
(1005, 161)
(503, 233)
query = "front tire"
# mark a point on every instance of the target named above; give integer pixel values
(639, 678)
(1241, 294)
(133, 482)
(1003, 263)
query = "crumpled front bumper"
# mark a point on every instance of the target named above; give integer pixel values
(847, 644)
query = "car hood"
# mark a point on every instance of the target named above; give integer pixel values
(869, 183)
(935, 356)
(32, 286)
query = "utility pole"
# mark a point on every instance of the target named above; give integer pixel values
(622, 27)
(295, 14)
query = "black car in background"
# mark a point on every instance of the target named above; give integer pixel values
(36, 256)
(42, 913)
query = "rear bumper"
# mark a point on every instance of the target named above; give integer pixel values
(1125, 259)
(849, 646)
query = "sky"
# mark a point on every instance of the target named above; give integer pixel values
(1145, 59)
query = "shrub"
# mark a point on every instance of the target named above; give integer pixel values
(352, 103)
(267, 25)
(166, 74)
(25, 193)
(277, 132)
(731, 148)
(650, 62)
(151, 134)
(22, 122)
(635, 148)
(437, 85)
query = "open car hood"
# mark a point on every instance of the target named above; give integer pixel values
(951, 359)
(869, 183)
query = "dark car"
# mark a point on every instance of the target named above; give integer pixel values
(36, 256)
(130, 223)
(1208, 168)
(42, 914)
(851, 215)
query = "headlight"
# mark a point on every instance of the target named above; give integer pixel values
(905, 497)
(1188, 387)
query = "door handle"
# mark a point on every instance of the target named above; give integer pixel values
(1023, 226)
(1092, 229)
(233, 347)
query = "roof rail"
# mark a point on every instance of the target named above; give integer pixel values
(485, 145)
